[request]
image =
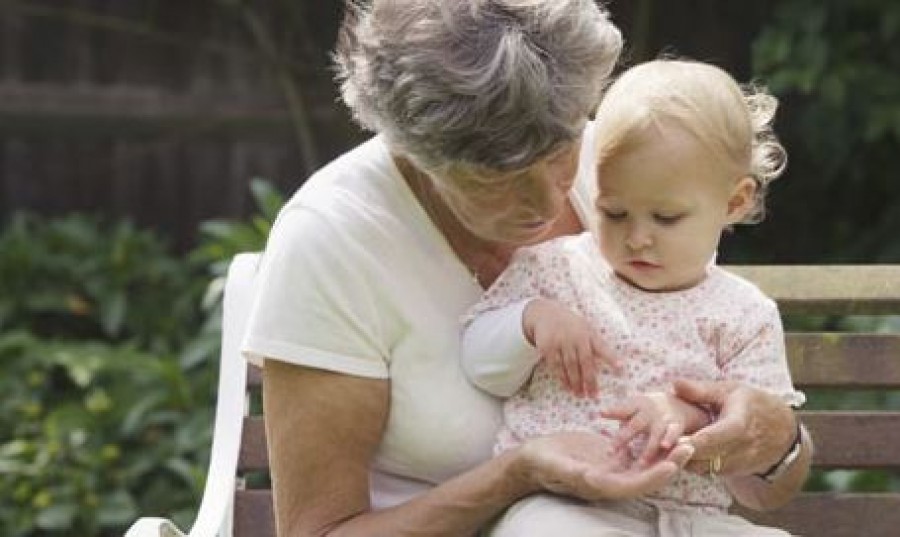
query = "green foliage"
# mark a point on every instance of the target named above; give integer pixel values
(223, 239)
(82, 278)
(99, 433)
(836, 65)
(109, 346)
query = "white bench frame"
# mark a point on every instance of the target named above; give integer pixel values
(215, 516)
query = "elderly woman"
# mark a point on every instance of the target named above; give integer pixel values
(479, 108)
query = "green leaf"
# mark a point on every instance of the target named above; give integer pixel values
(117, 509)
(112, 313)
(198, 351)
(56, 517)
(268, 200)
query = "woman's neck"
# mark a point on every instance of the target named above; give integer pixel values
(485, 259)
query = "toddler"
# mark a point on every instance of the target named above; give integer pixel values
(588, 332)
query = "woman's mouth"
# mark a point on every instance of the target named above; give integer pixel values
(535, 224)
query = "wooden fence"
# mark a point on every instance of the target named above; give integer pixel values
(162, 110)
(158, 111)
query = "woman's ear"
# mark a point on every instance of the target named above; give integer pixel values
(742, 199)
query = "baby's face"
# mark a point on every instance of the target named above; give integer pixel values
(663, 207)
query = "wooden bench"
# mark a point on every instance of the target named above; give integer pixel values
(237, 501)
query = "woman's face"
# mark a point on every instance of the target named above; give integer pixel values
(517, 207)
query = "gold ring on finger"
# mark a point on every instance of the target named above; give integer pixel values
(715, 465)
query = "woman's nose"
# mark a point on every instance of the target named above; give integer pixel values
(546, 200)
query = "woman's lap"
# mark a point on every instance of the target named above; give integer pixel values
(543, 514)
(547, 515)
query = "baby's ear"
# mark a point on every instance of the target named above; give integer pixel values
(742, 199)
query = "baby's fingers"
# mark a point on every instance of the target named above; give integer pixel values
(620, 412)
(572, 371)
(672, 433)
(662, 436)
(604, 354)
(633, 423)
(557, 366)
(589, 372)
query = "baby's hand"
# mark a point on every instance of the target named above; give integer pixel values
(661, 417)
(568, 343)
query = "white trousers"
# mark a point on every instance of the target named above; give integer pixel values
(545, 515)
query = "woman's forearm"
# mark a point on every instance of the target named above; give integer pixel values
(758, 494)
(324, 429)
(458, 507)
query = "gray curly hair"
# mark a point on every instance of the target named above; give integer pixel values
(734, 122)
(466, 84)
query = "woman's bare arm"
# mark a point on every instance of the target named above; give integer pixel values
(756, 493)
(323, 429)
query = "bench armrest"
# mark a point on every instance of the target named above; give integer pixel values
(153, 527)
(214, 517)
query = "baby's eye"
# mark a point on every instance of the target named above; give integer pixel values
(613, 214)
(668, 219)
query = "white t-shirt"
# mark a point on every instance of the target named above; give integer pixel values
(356, 279)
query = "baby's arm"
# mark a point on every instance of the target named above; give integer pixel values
(496, 356)
(502, 345)
(515, 324)
(568, 343)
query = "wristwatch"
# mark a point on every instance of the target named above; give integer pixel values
(780, 467)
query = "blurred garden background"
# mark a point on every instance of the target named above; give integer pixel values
(144, 142)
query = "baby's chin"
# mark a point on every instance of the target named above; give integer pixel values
(659, 283)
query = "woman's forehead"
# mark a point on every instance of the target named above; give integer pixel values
(483, 174)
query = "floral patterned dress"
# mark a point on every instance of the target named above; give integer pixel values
(722, 328)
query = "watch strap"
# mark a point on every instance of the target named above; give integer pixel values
(785, 462)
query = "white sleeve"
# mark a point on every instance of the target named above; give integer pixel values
(496, 357)
(495, 354)
(317, 303)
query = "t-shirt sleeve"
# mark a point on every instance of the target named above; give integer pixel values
(316, 303)
(754, 351)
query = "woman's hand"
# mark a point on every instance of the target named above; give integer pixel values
(660, 418)
(568, 343)
(753, 431)
(754, 428)
(586, 466)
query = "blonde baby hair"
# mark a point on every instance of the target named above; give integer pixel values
(733, 123)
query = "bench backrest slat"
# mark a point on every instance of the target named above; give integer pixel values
(855, 439)
(843, 360)
(253, 455)
(836, 515)
(828, 289)
(254, 376)
(253, 514)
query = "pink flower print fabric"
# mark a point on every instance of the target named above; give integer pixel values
(722, 328)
